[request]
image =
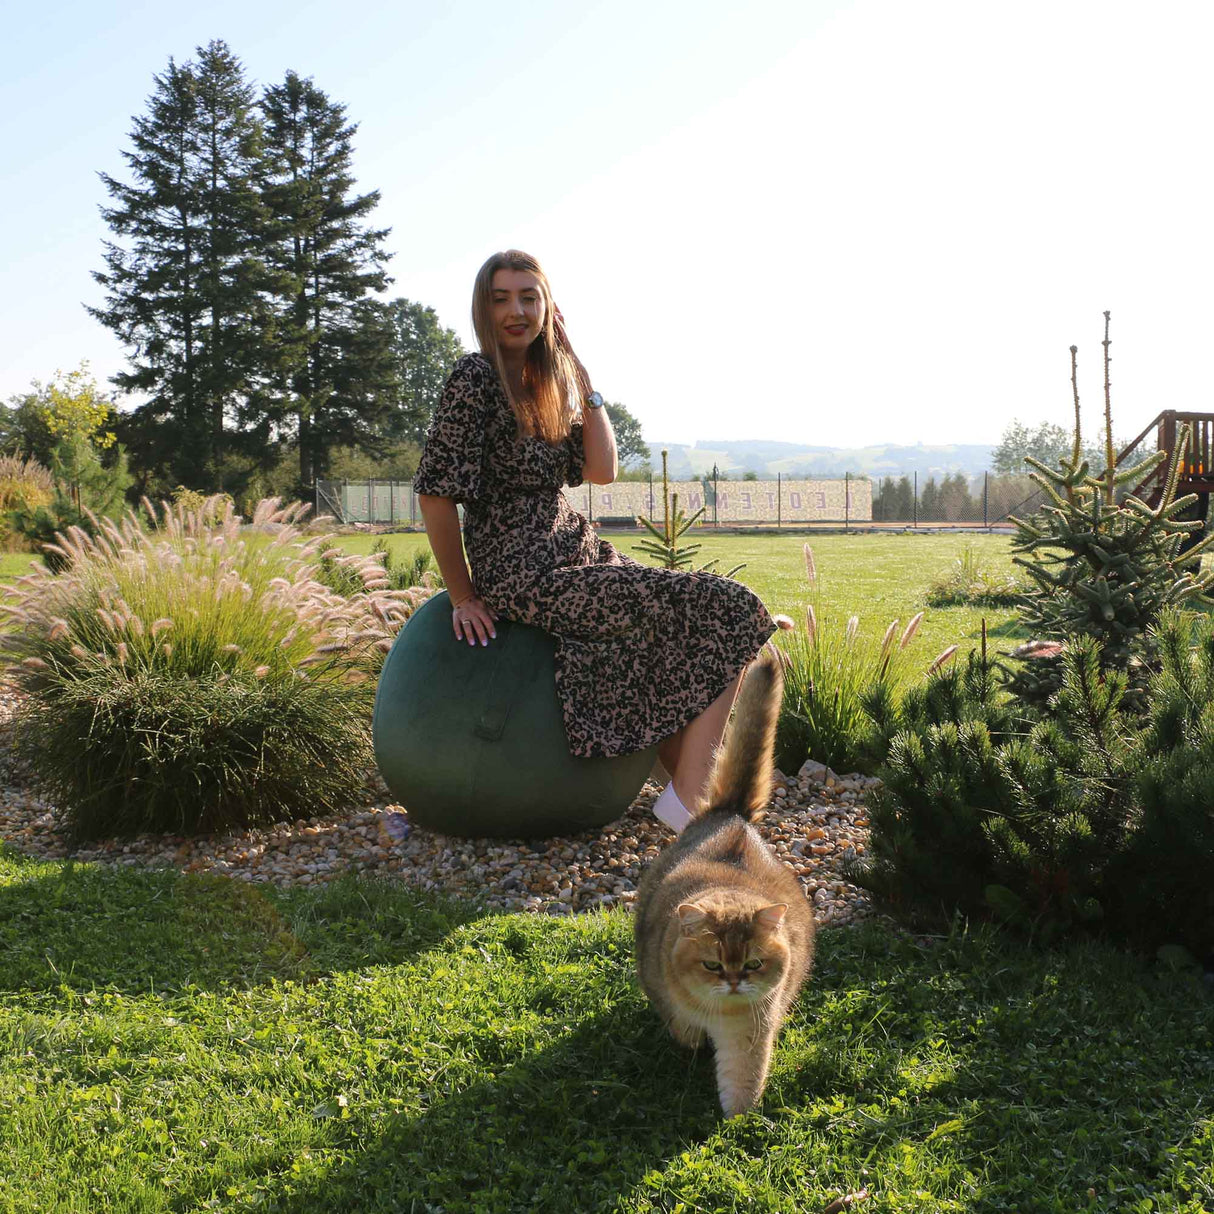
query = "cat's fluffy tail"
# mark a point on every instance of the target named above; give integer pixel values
(741, 775)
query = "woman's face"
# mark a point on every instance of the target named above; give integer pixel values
(518, 309)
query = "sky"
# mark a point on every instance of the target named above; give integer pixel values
(820, 222)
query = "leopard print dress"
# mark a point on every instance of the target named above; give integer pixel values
(641, 651)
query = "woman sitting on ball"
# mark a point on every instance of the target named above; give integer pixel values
(644, 655)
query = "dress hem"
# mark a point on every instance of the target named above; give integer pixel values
(686, 717)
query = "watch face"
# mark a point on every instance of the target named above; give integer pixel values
(595, 400)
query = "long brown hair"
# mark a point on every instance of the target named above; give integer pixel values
(553, 376)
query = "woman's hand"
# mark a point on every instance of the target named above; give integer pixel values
(472, 619)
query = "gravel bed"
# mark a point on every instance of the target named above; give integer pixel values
(815, 822)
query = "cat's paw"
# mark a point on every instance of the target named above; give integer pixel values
(735, 1104)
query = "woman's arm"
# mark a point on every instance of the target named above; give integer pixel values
(601, 463)
(471, 618)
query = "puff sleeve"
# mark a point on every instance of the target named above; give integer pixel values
(451, 464)
(575, 450)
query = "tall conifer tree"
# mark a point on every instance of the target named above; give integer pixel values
(425, 352)
(339, 376)
(188, 290)
(241, 284)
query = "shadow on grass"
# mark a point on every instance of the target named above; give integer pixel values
(568, 1127)
(1011, 629)
(597, 1116)
(86, 926)
(974, 1070)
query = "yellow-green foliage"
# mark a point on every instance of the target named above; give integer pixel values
(24, 485)
(73, 407)
(211, 509)
(23, 482)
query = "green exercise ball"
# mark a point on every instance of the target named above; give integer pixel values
(471, 740)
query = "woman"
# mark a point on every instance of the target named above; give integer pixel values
(644, 655)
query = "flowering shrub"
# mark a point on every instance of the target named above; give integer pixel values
(190, 675)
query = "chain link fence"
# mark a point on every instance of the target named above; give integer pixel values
(849, 501)
(370, 501)
(987, 500)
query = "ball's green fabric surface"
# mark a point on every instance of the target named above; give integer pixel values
(470, 738)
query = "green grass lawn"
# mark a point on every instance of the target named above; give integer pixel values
(879, 577)
(14, 564)
(179, 1044)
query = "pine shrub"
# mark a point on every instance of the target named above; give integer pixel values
(1105, 570)
(190, 675)
(1077, 788)
(1104, 564)
(1165, 873)
(1079, 818)
(941, 783)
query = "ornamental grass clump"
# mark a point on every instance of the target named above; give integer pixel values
(980, 813)
(969, 581)
(829, 668)
(342, 572)
(24, 482)
(185, 675)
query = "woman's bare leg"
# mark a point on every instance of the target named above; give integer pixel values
(669, 751)
(699, 740)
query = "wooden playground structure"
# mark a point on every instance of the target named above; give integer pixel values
(1197, 475)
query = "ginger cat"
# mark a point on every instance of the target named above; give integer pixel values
(724, 932)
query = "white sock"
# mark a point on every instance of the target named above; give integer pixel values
(669, 809)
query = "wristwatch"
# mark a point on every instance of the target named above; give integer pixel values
(594, 400)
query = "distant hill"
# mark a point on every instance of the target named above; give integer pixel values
(793, 459)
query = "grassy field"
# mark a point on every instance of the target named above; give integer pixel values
(364, 1049)
(879, 577)
(13, 565)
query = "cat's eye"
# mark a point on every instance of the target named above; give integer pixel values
(754, 964)
(712, 966)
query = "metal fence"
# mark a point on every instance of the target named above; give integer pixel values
(369, 501)
(987, 500)
(909, 501)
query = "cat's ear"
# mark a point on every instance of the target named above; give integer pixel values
(772, 916)
(691, 918)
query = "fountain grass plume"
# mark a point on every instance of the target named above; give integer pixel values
(828, 670)
(190, 620)
(234, 598)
